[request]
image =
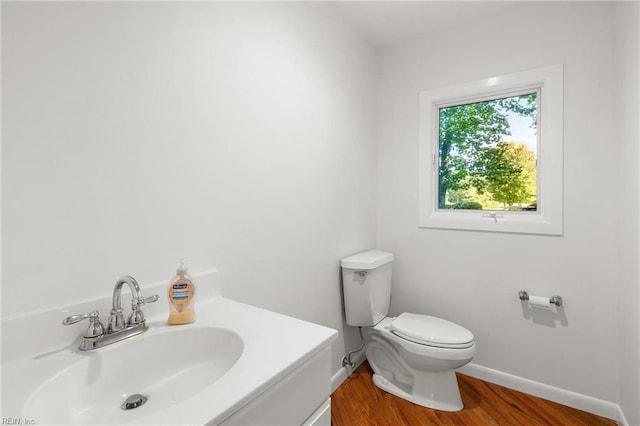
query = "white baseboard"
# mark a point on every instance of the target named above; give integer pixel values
(552, 393)
(344, 372)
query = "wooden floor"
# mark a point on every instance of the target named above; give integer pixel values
(359, 402)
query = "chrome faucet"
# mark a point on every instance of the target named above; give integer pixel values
(96, 336)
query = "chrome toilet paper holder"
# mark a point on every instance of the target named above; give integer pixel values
(554, 300)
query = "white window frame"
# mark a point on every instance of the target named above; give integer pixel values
(547, 219)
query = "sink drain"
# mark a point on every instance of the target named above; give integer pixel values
(133, 401)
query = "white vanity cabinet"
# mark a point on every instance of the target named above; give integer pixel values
(302, 397)
(240, 365)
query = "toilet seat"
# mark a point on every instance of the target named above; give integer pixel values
(431, 331)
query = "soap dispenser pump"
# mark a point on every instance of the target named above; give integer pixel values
(182, 291)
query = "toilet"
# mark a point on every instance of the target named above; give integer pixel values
(412, 356)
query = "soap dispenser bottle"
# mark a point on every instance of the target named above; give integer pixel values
(182, 291)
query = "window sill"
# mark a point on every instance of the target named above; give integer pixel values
(493, 221)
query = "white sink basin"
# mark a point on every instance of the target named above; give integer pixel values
(166, 365)
(212, 371)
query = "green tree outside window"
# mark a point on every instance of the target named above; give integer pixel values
(478, 167)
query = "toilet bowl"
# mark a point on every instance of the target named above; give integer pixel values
(420, 372)
(413, 356)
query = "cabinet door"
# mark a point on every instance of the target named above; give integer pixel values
(293, 399)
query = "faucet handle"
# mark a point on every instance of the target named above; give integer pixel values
(136, 303)
(137, 316)
(150, 299)
(95, 328)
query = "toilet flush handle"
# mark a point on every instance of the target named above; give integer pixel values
(362, 273)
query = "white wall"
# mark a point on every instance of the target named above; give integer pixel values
(626, 52)
(473, 278)
(239, 135)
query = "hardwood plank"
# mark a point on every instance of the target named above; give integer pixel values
(359, 402)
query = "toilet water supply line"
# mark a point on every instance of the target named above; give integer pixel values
(346, 360)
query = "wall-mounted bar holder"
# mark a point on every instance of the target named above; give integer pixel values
(554, 300)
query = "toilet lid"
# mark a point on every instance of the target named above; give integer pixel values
(431, 331)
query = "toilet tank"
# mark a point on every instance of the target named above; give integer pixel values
(366, 283)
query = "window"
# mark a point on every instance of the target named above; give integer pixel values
(491, 154)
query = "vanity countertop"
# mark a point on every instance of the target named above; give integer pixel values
(274, 345)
